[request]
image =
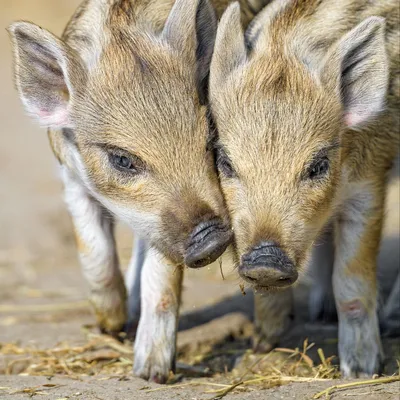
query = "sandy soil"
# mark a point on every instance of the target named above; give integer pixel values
(38, 265)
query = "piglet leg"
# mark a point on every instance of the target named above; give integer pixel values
(155, 344)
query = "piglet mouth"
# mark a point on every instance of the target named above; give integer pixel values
(269, 289)
(207, 242)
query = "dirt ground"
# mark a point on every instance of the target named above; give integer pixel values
(43, 295)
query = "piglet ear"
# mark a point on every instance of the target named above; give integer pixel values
(230, 51)
(47, 71)
(191, 25)
(206, 31)
(191, 28)
(357, 66)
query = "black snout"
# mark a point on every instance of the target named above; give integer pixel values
(267, 265)
(207, 242)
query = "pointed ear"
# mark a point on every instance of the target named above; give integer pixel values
(357, 67)
(253, 30)
(191, 28)
(46, 72)
(206, 31)
(257, 34)
(180, 27)
(230, 50)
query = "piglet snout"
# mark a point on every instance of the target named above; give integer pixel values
(207, 242)
(267, 266)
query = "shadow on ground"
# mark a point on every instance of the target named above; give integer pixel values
(323, 334)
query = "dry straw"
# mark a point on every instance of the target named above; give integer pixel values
(105, 355)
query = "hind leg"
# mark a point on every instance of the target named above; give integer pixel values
(97, 251)
(132, 281)
(321, 303)
(273, 313)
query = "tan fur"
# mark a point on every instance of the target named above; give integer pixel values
(129, 59)
(275, 106)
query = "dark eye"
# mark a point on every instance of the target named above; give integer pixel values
(319, 168)
(123, 162)
(224, 164)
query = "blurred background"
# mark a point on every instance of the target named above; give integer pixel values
(38, 263)
(36, 243)
(30, 193)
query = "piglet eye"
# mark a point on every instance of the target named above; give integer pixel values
(319, 168)
(224, 164)
(123, 162)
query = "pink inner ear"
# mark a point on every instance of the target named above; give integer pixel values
(55, 119)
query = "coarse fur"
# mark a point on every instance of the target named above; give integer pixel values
(311, 82)
(128, 79)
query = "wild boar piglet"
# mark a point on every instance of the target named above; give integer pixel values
(306, 107)
(122, 93)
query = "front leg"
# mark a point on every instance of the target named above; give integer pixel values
(357, 233)
(95, 242)
(273, 314)
(155, 344)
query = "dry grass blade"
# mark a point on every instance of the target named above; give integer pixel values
(352, 385)
(303, 356)
(220, 268)
(322, 357)
(250, 368)
(182, 385)
(36, 390)
(222, 393)
(111, 342)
